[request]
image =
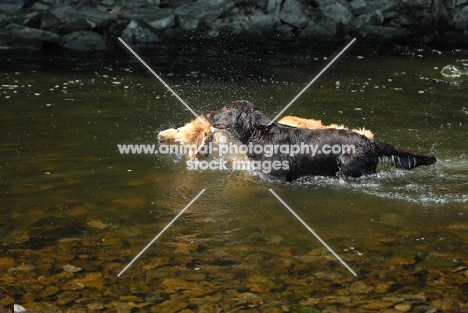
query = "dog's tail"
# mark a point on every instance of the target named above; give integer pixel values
(401, 158)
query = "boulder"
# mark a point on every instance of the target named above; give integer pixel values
(295, 13)
(33, 34)
(337, 12)
(383, 32)
(285, 32)
(83, 41)
(49, 22)
(200, 10)
(11, 6)
(171, 3)
(137, 31)
(28, 18)
(358, 6)
(460, 19)
(371, 18)
(188, 23)
(273, 7)
(263, 23)
(109, 4)
(4, 20)
(322, 3)
(24, 37)
(325, 29)
(234, 28)
(70, 20)
(97, 19)
(418, 3)
(37, 6)
(161, 19)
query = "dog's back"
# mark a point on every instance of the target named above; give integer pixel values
(326, 152)
(295, 121)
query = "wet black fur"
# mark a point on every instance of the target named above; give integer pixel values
(248, 124)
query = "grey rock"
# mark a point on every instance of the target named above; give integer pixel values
(141, 14)
(263, 23)
(172, 3)
(108, 3)
(28, 33)
(40, 6)
(139, 32)
(49, 22)
(285, 32)
(83, 41)
(162, 19)
(4, 20)
(295, 13)
(337, 12)
(358, 6)
(134, 4)
(372, 18)
(460, 19)
(383, 32)
(98, 19)
(325, 29)
(418, 3)
(200, 10)
(188, 23)
(212, 33)
(27, 18)
(8, 41)
(11, 6)
(273, 7)
(389, 5)
(322, 3)
(234, 28)
(70, 19)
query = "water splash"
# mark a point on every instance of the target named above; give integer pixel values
(453, 71)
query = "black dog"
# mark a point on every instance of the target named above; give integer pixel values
(360, 156)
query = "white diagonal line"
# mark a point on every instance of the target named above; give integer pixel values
(312, 81)
(160, 233)
(313, 233)
(162, 81)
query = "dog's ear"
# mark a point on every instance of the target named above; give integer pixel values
(194, 148)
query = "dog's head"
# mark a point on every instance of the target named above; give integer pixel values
(241, 118)
(167, 136)
(194, 134)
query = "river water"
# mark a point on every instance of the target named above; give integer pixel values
(75, 212)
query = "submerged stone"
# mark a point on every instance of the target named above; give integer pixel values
(377, 305)
(170, 306)
(71, 268)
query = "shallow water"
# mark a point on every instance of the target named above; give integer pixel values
(69, 197)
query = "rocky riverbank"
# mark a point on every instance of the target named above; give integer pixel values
(95, 24)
